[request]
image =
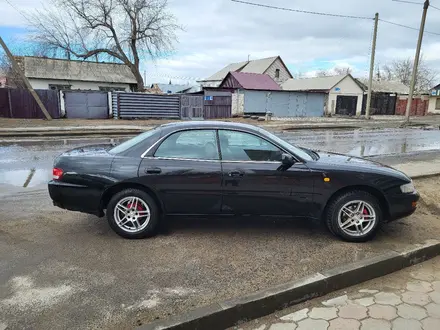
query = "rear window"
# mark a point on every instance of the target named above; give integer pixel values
(124, 146)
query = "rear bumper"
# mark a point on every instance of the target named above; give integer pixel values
(402, 205)
(75, 197)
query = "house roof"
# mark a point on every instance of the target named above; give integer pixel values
(172, 88)
(315, 84)
(61, 69)
(254, 66)
(253, 81)
(384, 86)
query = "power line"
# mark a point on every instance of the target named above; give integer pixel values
(408, 27)
(434, 7)
(412, 2)
(301, 11)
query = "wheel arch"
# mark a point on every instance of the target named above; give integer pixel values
(111, 191)
(373, 191)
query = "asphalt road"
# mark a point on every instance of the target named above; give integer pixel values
(62, 269)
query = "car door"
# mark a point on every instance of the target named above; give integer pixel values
(254, 182)
(185, 171)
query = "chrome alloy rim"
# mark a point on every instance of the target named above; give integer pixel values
(132, 214)
(357, 218)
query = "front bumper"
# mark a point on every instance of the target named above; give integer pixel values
(402, 205)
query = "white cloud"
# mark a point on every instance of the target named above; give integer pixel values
(218, 32)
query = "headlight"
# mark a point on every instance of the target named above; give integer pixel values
(407, 188)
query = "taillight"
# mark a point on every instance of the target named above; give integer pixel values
(57, 173)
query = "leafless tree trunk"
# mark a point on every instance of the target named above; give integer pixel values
(401, 70)
(123, 30)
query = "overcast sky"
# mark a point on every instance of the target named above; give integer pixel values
(219, 32)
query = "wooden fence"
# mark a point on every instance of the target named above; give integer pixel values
(19, 103)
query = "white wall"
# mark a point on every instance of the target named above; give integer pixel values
(237, 103)
(84, 85)
(431, 106)
(347, 87)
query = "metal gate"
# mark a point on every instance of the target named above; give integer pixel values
(86, 104)
(191, 106)
(346, 105)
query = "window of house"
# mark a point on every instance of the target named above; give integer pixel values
(437, 103)
(111, 89)
(59, 87)
(194, 144)
(239, 146)
(277, 73)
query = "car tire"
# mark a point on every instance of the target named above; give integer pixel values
(354, 216)
(127, 214)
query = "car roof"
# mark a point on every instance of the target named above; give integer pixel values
(209, 124)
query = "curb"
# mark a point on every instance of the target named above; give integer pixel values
(228, 313)
(72, 133)
(425, 176)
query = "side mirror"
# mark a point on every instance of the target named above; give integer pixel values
(287, 160)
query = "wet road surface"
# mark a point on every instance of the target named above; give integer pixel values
(30, 164)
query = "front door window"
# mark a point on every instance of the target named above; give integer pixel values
(239, 146)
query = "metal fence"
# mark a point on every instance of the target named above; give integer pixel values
(86, 104)
(19, 103)
(138, 105)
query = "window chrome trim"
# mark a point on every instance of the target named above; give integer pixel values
(178, 158)
(217, 129)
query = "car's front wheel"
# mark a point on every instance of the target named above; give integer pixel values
(132, 213)
(355, 216)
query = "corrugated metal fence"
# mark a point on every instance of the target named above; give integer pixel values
(138, 105)
(19, 103)
(284, 104)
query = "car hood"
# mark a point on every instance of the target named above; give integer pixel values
(351, 163)
(90, 150)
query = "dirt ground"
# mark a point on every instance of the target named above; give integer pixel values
(62, 269)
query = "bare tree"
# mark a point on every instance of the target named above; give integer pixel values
(342, 70)
(125, 30)
(336, 71)
(401, 70)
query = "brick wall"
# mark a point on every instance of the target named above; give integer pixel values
(419, 106)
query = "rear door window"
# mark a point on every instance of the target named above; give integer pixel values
(193, 144)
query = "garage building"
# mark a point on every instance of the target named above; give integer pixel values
(344, 95)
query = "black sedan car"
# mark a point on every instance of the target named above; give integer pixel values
(220, 168)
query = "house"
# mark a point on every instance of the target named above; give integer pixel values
(344, 94)
(258, 94)
(385, 96)
(272, 66)
(434, 101)
(62, 74)
(171, 88)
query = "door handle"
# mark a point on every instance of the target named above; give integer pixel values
(153, 170)
(236, 174)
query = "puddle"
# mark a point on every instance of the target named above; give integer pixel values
(26, 178)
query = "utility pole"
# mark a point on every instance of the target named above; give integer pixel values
(416, 61)
(373, 54)
(25, 80)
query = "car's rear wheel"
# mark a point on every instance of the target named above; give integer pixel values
(355, 216)
(132, 213)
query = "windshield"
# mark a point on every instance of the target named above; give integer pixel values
(286, 145)
(132, 142)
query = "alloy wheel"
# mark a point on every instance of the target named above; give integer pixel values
(132, 214)
(357, 218)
